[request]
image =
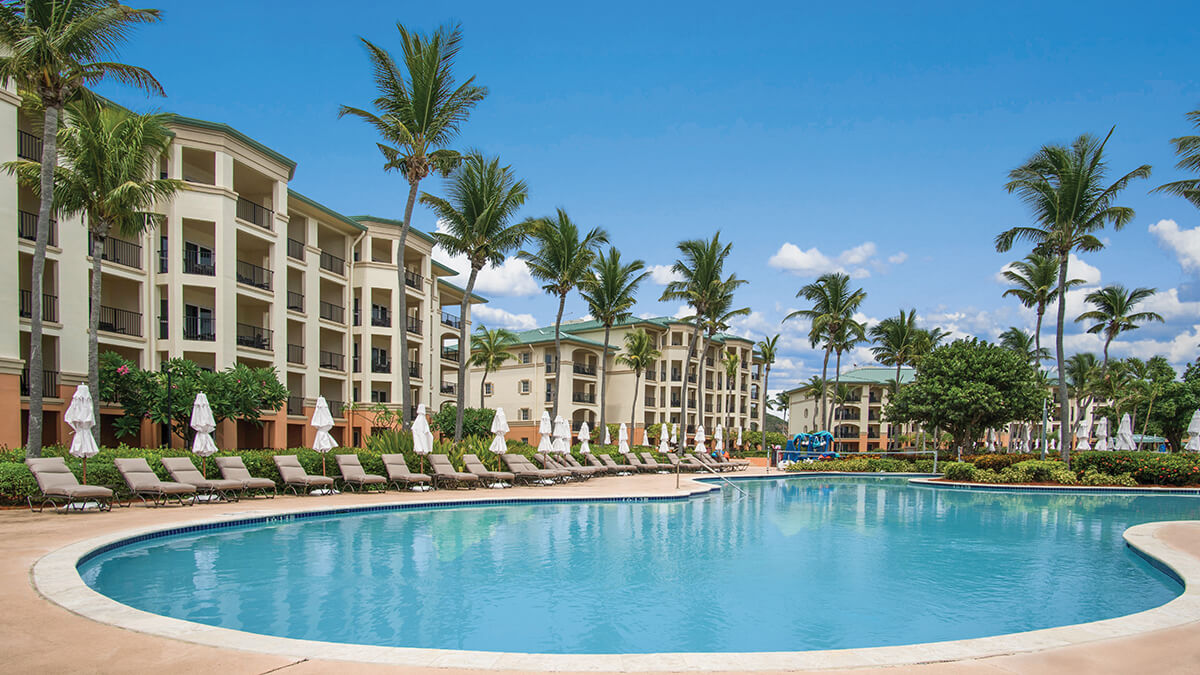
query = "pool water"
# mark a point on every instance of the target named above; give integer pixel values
(798, 564)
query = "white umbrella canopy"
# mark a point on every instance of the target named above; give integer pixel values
(204, 425)
(607, 436)
(622, 439)
(82, 419)
(1193, 429)
(422, 434)
(719, 439)
(1125, 434)
(739, 441)
(562, 436)
(663, 439)
(545, 428)
(1102, 434)
(700, 440)
(1083, 433)
(322, 421)
(991, 440)
(585, 436)
(674, 434)
(499, 427)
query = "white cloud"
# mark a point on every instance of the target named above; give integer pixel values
(898, 258)
(858, 254)
(663, 274)
(1185, 244)
(510, 278)
(1168, 304)
(813, 262)
(683, 312)
(1078, 269)
(494, 317)
(1178, 350)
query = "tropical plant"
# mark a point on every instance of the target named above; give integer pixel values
(768, 351)
(833, 307)
(717, 320)
(640, 355)
(897, 341)
(1023, 343)
(842, 341)
(561, 260)
(52, 50)
(1082, 373)
(780, 401)
(1035, 285)
(418, 111)
(730, 361)
(483, 197)
(1065, 188)
(489, 350)
(610, 293)
(813, 388)
(1114, 313)
(477, 422)
(1188, 149)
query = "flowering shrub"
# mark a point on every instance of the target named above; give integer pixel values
(996, 462)
(1147, 468)
(959, 471)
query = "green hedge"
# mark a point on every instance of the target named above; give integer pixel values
(1147, 468)
(865, 465)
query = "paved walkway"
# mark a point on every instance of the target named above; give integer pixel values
(36, 635)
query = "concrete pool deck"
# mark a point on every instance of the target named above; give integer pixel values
(36, 633)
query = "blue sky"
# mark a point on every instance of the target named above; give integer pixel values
(870, 138)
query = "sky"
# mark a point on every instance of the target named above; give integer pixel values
(869, 138)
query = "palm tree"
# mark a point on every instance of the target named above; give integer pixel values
(897, 340)
(1035, 285)
(1082, 370)
(717, 320)
(561, 261)
(1188, 149)
(107, 157)
(768, 351)
(701, 266)
(1114, 313)
(1065, 189)
(609, 292)
(730, 361)
(483, 197)
(847, 336)
(1023, 343)
(418, 112)
(489, 349)
(834, 305)
(640, 355)
(815, 386)
(54, 50)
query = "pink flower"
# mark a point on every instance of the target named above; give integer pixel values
(123, 370)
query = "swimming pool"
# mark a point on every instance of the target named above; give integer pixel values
(800, 564)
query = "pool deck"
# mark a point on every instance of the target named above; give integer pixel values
(39, 635)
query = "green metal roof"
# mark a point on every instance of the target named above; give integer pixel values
(445, 268)
(173, 118)
(292, 194)
(877, 375)
(397, 223)
(540, 335)
(460, 289)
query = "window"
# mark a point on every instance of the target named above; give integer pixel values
(549, 361)
(379, 396)
(523, 387)
(524, 414)
(198, 259)
(526, 357)
(487, 388)
(677, 339)
(806, 412)
(198, 323)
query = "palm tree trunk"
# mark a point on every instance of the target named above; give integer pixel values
(464, 352)
(824, 386)
(837, 384)
(1063, 409)
(405, 384)
(683, 396)
(897, 378)
(100, 238)
(604, 381)
(762, 413)
(558, 375)
(700, 368)
(483, 387)
(1037, 332)
(1107, 342)
(637, 387)
(37, 366)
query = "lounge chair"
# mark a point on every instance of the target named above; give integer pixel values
(571, 462)
(688, 463)
(143, 482)
(445, 475)
(637, 464)
(621, 469)
(550, 463)
(58, 484)
(595, 462)
(233, 468)
(525, 472)
(294, 476)
(355, 477)
(649, 460)
(398, 473)
(492, 478)
(715, 464)
(182, 470)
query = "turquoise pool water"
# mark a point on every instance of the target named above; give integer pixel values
(799, 564)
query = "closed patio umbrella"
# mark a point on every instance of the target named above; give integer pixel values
(80, 417)
(739, 441)
(719, 439)
(664, 434)
(562, 436)
(585, 436)
(674, 434)
(1082, 434)
(622, 439)
(422, 437)
(1193, 429)
(322, 421)
(607, 437)
(1125, 434)
(700, 440)
(499, 427)
(203, 423)
(545, 429)
(1102, 435)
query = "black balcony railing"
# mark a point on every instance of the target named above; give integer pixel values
(755, 376)
(413, 325)
(27, 228)
(450, 354)
(295, 405)
(332, 360)
(123, 321)
(414, 370)
(252, 275)
(49, 306)
(29, 146)
(708, 408)
(412, 279)
(381, 365)
(583, 369)
(676, 376)
(333, 263)
(380, 316)
(49, 383)
(336, 407)
(119, 251)
(253, 336)
(651, 375)
(197, 328)
(449, 388)
(583, 397)
(194, 264)
(691, 378)
(675, 401)
(295, 353)
(258, 214)
(650, 401)
(295, 301)
(332, 312)
(295, 249)
(451, 320)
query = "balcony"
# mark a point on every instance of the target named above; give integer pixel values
(583, 369)
(651, 375)
(253, 336)
(380, 316)
(381, 366)
(451, 388)
(708, 384)
(332, 361)
(649, 401)
(691, 379)
(450, 354)
(583, 397)
(708, 407)
(676, 401)
(412, 279)
(551, 368)
(335, 407)
(451, 321)
(413, 325)
(255, 213)
(193, 264)
(29, 146)
(49, 383)
(295, 301)
(27, 228)
(414, 370)
(119, 251)
(333, 263)
(295, 405)
(295, 249)
(755, 376)
(332, 312)
(120, 321)
(253, 275)
(295, 353)
(198, 328)
(676, 376)
(49, 306)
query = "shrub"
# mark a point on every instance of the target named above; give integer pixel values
(923, 465)
(1093, 477)
(1040, 471)
(476, 421)
(1147, 468)
(996, 462)
(988, 476)
(959, 471)
(1063, 477)
(16, 483)
(1015, 474)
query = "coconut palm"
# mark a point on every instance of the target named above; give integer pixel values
(53, 50)
(847, 336)
(1065, 188)
(1114, 313)
(1035, 285)
(717, 320)
(609, 292)
(701, 268)
(561, 260)
(489, 350)
(1023, 343)
(833, 307)
(897, 340)
(812, 388)
(108, 163)
(640, 355)
(1188, 149)
(768, 351)
(483, 197)
(418, 111)
(730, 361)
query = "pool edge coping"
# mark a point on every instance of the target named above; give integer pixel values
(55, 578)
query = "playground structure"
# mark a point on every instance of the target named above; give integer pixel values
(807, 447)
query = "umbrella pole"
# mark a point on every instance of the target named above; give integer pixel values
(85, 470)
(322, 464)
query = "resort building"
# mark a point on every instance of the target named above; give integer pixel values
(242, 270)
(523, 386)
(859, 424)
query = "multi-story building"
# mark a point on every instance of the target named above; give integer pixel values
(242, 270)
(523, 386)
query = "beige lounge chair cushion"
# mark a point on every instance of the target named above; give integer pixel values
(183, 470)
(293, 474)
(353, 472)
(233, 468)
(54, 477)
(141, 478)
